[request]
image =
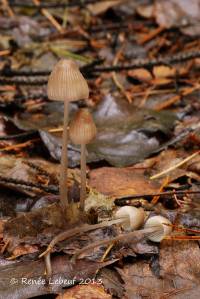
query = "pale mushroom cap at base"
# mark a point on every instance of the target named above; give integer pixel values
(134, 217)
(162, 228)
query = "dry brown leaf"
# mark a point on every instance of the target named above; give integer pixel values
(121, 181)
(101, 7)
(180, 264)
(140, 74)
(161, 81)
(163, 71)
(88, 291)
(176, 12)
(170, 158)
(140, 282)
(146, 11)
(24, 249)
(177, 273)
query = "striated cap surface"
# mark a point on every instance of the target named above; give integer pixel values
(66, 83)
(162, 225)
(82, 128)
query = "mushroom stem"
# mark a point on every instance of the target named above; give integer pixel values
(83, 177)
(64, 160)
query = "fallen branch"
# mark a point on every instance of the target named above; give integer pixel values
(92, 68)
(30, 185)
(123, 200)
(79, 3)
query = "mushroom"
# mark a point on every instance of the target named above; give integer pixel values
(66, 83)
(133, 217)
(162, 225)
(82, 130)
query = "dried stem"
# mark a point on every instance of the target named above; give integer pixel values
(123, 201)
(83, 177)
(158, 175)
(128, 236)
(78, 230)
(64, 161)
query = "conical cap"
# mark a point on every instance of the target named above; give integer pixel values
(82, 129)
(66, 83)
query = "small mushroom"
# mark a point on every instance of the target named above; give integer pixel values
(162, 225)
(133, 217)
(66, 83)
(82, 130)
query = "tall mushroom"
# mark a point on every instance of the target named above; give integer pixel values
(66, 83)
(82, 130)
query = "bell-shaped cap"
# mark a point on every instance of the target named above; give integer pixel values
(66, 83)
(133, 217)
(82, 129)
(162, 226)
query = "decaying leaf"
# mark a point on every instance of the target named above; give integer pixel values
(33, 171)
(118, 182)
(35, 227)
(178, 274)
(178, 13)
(89, 290)
(100, 7)
(27, 279)
(125, 136)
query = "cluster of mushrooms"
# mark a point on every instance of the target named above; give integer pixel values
(67, 84)
(134, 218)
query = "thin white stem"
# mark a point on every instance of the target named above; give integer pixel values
(64, 160)
(83, 177)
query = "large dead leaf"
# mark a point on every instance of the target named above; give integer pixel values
(112, 282)
(26, 280)
(177, 273)
(125, 136)
(117, 182)
(179, 13)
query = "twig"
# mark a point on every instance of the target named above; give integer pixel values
(183, 238)
(48, 189)
(78, 230)
(30, 133)
(115, 79)
(158, 175)
(4, 52)
(47, 14)
(74, 3)
(71, 233)
(194, 128)
(123, 200)
(176, 98)
(127, 236)
(176, 58)
(19, 145)
(22, 81)
(7, 7)
(92, 68)
(151, 35)
(164, 184)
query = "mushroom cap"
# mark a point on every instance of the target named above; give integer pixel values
(66, 83)
(82, 128)
(161, 230)
(134, 217)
